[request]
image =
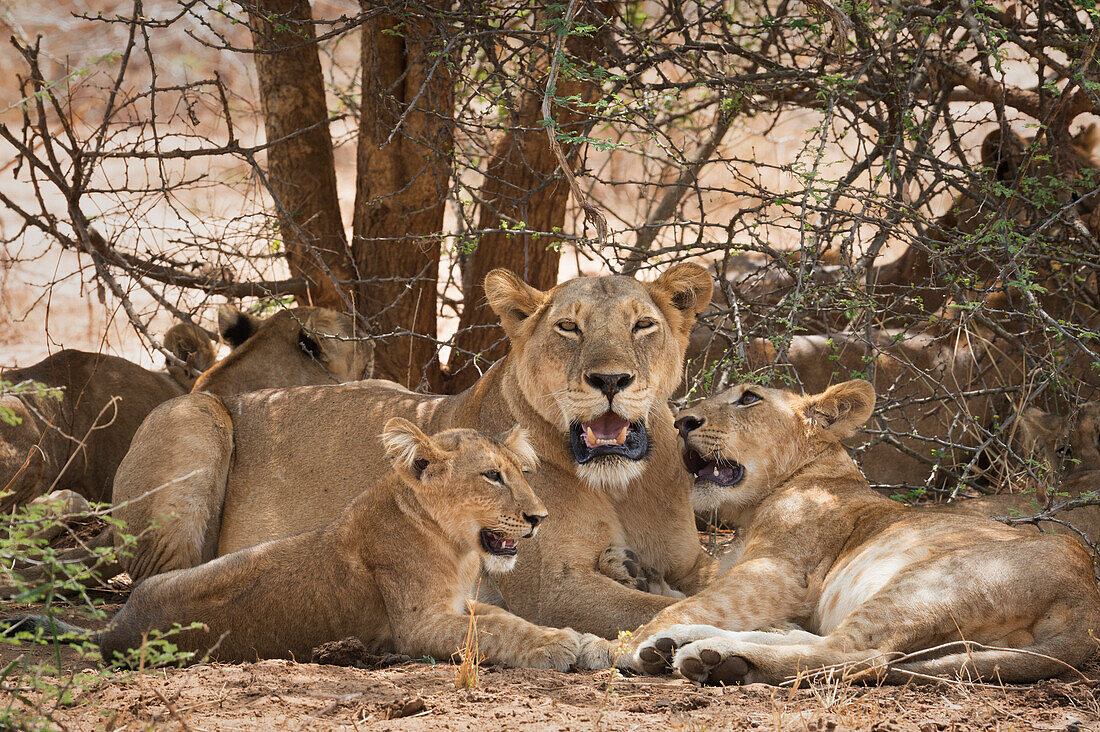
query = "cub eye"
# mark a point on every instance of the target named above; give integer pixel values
(748, 398)
(644, 324)
(492, 475)
(568, 326)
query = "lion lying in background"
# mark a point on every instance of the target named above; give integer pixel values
(1068, 453)
(851, 578)
(76, 442)
(395, 569)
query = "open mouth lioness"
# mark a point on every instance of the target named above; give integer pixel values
(608, 434)
(723, 472)
(496, 545)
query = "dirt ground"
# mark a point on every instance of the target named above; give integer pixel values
(285, 695)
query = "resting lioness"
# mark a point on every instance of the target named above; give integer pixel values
(76, 442)
(395, 569)
(591, 366)
(854, 578)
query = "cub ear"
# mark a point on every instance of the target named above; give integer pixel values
(236, 327)
(516, 440)
(685, 289)
(512, 299)
(841, 409)
(410, 449)
(191, 344)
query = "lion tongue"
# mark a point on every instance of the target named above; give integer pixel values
(721, 473)
(607, 429)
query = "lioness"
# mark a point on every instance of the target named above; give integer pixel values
(77, 442)
(852, 577)
(591, 366)
(394, 569)
(1068, 451)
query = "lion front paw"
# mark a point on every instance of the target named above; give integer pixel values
(558, 651)
(624, 566)
(713, 662)
(654, 656)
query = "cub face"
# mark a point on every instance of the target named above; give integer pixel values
(473, 485)
(744, 442)
(596, 355)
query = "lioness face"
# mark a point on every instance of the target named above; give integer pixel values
(596, 356)
(474, 486)
(295, 347)
(1065, 445)
(742, 443)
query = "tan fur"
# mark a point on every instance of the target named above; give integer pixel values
(299, 456)
(851, 577)
(395, 569)
(77, 442)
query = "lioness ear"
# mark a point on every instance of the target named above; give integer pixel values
(841, 409)
(1087, 138)
(516, 440)
(236, 327)
(512, 299)
(191, 344)
(1002, 154)
(682, 292)
(411, 450)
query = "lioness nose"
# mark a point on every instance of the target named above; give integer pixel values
(688, 424)
(534, 518)
(609, 384)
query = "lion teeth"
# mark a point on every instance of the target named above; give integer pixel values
(622, 435)
(590, 437)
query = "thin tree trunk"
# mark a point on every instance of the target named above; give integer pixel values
(403, 179)
(522, 183)
(301, 170)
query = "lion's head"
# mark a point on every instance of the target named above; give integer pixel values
(595, 356)
(1063, 444)
(744, 442)
(473, 485)
(294, 347)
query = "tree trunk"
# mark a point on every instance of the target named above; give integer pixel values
(402, 185)
(300, 170)
(522, 183)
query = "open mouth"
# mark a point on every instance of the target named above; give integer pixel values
(608, 434)
(497, 545)
(721, 472)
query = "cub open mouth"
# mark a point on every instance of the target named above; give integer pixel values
(722, 472)
(497, 545)
(608, 434)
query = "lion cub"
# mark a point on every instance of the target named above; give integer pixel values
(395, 569)
(854, 578)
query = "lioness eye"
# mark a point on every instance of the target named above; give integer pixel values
(644, 324)
(748, 398)
(568, 326)
(493, 475)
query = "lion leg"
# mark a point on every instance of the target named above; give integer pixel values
(170, 487)
(502, 638)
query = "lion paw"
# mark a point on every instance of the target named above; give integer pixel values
(654, 656)
(623, 566)
(713, 662)
(558, 652)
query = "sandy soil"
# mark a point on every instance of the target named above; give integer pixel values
(279, 694)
